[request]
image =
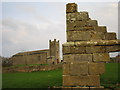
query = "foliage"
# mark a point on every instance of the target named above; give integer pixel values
(6, 62)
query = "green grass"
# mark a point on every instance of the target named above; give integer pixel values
(110, 77)
(41, 79)
(44, 79)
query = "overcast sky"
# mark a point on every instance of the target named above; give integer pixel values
(29, 25)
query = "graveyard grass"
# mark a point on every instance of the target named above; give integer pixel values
(44, 79)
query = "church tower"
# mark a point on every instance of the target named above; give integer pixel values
(54, 51)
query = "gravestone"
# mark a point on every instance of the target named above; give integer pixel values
(86, 50)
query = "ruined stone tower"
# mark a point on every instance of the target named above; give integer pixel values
(86, 50)
(54, 50)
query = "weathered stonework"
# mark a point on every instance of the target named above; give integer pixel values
(31, 68)
(86, 50)
(78, 57)
(96, 68)
(47, 56)
(86, 80)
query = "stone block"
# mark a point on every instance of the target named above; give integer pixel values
(95, 49)
(66, 68)
(85, 28)
(101, 29)
(71, 8)
(80, 23)
(73, 50)
(95, 35)
(110, 36)
(87, 80)
(112, 48)
(92, 23)
(68, 58)
(70, 36)
(96, 68)
(70, 25)
(94, 43)
(88, 28)
(82, 16)
(79, 28)
(84, 35)
(77, 50)
(70, 17)
(66, 80)
(77, 58)
(79, 68)
(66, 50)
(82, 57)
(78, 35)
(101, 57)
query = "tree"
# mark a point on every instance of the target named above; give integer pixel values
(5, 61)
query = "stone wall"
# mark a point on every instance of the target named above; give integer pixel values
(32, 57)
(30, 68)
(87, 48)
(47, 56)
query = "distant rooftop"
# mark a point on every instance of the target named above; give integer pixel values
(32, 52)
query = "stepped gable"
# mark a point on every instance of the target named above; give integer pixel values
(86, 50)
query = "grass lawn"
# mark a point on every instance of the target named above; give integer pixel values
(44, 79)
(110, 77)
(41, 79)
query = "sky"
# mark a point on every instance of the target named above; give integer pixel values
(28, 26)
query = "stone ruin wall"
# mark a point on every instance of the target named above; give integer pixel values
(47, 56)
(86, 50)
(31, 68)
(33, 57)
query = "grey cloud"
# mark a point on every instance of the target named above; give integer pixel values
(23, 36)
(19, 35)
(33, 11)
(27, 8)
